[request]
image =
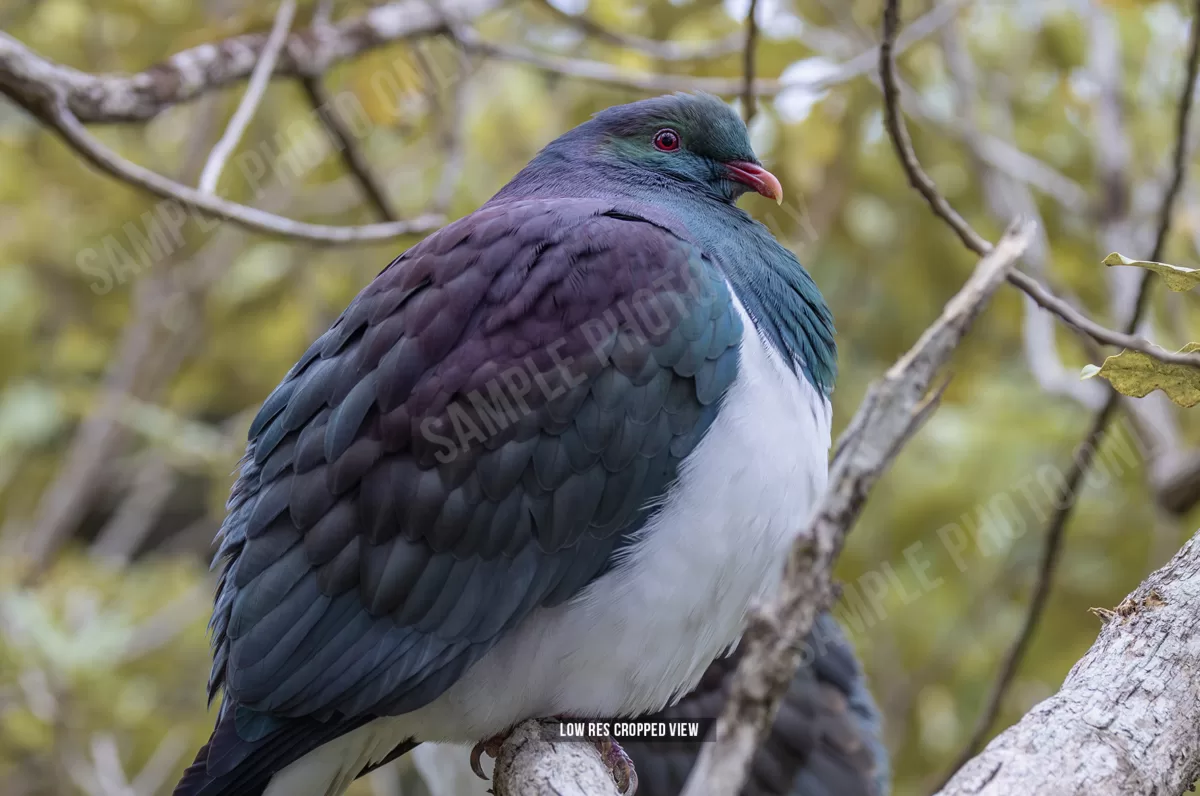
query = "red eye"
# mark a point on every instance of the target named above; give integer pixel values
(666, 140)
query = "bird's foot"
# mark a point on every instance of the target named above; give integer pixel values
(619, 765)
(491, 747)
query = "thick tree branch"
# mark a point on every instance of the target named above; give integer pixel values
(25, 76)
(893, 408)
(1126, 721)
(531, 766)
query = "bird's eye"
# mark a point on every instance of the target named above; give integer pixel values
(666, 140)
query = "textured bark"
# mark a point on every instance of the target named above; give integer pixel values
(207, 67)
(1127, 719)
(530, 766)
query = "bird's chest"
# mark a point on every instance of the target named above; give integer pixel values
(680, 596)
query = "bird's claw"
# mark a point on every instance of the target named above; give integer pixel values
(619, 765)
(491, 747)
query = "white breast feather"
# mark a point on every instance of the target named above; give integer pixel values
(645, 632)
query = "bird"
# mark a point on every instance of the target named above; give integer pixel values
(540, 466)
(826, 739)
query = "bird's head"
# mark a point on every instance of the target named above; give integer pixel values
(694, 138)
(677, 140)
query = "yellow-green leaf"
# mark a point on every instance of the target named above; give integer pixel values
(1177, 278)
(1136, 374)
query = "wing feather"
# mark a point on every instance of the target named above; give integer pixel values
(478, 434)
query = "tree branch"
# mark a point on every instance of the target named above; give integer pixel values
(893, 408)
(898, 133)
(59, 117)
(346, 143)
(25, 75)
(972, 240)
(1125, 722)
(748, 52)
(653, 82)
(260, 78)
(531, 766)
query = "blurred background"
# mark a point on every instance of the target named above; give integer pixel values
(128, 381)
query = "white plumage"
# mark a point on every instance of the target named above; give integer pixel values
(642, 634)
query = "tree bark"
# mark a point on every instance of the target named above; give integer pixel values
(531, 766)
(1126, 721)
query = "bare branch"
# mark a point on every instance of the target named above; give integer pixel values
(973, 241)
(1008, 196)
(652, 82)
(260, 78)
(748, 52)
(1099, 426)
(898, 133)
(893, 407)
(25, 76)
(96, 153)
(346, 143)
(1125, 721)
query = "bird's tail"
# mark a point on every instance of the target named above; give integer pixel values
(230, 765)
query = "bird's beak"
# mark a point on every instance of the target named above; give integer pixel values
(759, 179)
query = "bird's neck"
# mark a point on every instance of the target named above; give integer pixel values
(777, 293)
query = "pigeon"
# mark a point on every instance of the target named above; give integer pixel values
(540, 466)
(827, 739)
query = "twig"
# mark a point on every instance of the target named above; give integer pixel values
(75, 134)
(1096, 432)
(898, 133)
(260, 78)
(748, 98)
(30, 79)
(653, 82)
(346, 143)
(973, 241)
(659, 50)
(893, 407)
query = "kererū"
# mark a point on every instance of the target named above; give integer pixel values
(540, 466)
(827, 739)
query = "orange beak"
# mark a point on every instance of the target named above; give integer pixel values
(759, 179)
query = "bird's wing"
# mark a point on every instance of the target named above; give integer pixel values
(826, 739)
(485, 424)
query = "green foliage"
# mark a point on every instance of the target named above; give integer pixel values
(1175, 277)
(1137, 375)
